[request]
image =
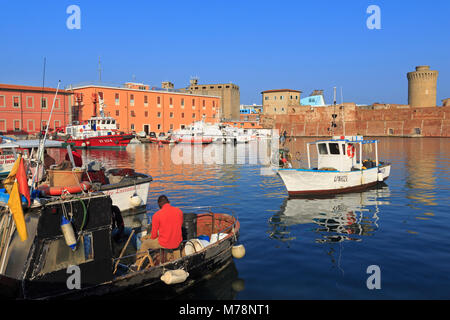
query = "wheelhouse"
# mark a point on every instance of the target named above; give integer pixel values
(343, 153)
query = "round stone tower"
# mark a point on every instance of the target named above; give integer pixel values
(422, 85)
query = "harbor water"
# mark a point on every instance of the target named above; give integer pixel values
(317, 248)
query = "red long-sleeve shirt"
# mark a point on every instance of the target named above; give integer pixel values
(166, 226)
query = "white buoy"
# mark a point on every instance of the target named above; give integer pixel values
(174, 276)
(135, 200)
(69, 234)
(238, 252)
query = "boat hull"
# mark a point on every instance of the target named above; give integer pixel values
(301, 182)
(121, 194)
(101, 142)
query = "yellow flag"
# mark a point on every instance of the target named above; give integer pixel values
(11, 178)
(15, 206)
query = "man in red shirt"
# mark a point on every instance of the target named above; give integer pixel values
(166, 229)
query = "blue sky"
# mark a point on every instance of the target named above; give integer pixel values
(258, 45)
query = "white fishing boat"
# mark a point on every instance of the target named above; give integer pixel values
(340, 168)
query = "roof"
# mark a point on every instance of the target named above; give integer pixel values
(281, 90)
(30, 88)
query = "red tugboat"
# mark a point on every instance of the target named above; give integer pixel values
(99, 132)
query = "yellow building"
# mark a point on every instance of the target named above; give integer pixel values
(280, 101)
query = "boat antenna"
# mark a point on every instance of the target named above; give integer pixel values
(99, 70)
(334, 115)
(42, 144)
(42, 99)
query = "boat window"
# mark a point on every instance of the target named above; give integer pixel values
(57, 255)
(322, 148)
(334, 148)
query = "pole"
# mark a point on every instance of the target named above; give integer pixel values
(42, 145)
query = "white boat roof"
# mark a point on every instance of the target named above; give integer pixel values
(8, 145)
(34, 143)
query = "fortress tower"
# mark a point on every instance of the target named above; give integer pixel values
(422, 85)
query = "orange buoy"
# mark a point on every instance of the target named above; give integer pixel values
(56, 191)
(351, 150)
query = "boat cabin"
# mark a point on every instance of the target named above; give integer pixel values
(341, 153)
(95, 126)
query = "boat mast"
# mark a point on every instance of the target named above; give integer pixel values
(42, 144)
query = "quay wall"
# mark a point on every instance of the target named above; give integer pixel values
(377, 120)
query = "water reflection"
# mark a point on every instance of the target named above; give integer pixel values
(341, 218)
(223, 286)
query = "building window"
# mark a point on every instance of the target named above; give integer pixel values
(44, 103)
(117, 99)
(182, 102)
(132, 113)
(57, 104)
(132, 126)
(159, 126)
(30, 102)
(16, 102)
(266, 98)
(171, 114)
(275, 98)
(203, 104)
(117, 112)
(158, 101)
(57, 123)
(2, 101)
(146, 113)
(2, 125)
(159, 115)
(131, 99)
(281, 97)
(182, 126)
(17, 126)
(214, 103)
(182, 115)
(43, 125)
(193, 103)
(193, 115)
(146, 100)
(171, 102)
(30, 125)
(171, 126)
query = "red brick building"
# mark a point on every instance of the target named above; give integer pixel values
(26, 109)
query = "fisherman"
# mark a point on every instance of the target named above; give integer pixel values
(166, 229)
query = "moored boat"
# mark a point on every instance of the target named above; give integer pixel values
(340, 168)
(44, 266)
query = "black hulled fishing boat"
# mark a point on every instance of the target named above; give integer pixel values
(70, 252)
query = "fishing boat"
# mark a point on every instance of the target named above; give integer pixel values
(95, 133)
(78, 259)
(99, 132)
(340, 168)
